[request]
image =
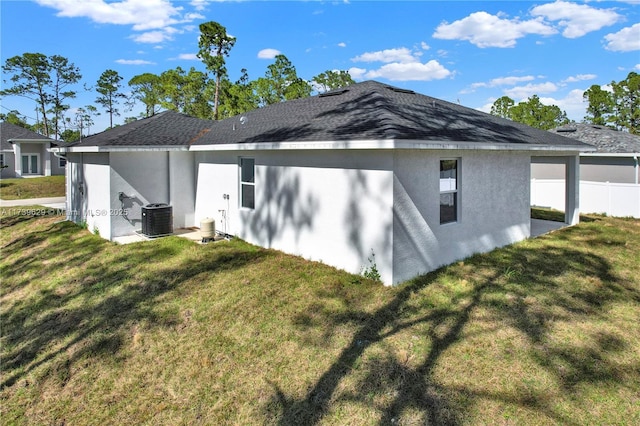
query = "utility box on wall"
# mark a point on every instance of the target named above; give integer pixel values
(157, 220)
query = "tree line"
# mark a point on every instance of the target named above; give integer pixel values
(51, 81)
(617, 107)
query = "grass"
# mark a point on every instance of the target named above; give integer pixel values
(39, 187)
(169, 332)
(548, 214)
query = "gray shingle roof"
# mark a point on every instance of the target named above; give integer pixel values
(168, 128)
(605, 139)
(375, 111)
(9, 131)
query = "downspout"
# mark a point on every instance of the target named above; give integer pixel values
(168, 177)
(635, 166)
(67, 180)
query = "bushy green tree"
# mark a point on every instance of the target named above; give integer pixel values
(600, 105)
(237, 98)
(147, 89)
(626, 99)
(531, 112)
(280, 83)
(502, 107)
(331, 80)
(14, 117)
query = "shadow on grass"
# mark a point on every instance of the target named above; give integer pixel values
(505, 282)
(85, 306)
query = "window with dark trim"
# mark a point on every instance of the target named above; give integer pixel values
(1, 160)
(247, 183)
(449, 196)
(62, 162)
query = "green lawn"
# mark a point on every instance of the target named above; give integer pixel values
(170, 332)
(39, 187)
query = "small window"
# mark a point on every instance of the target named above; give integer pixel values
(247, 183)
(1, 160)
(449, 196)
(62, 162)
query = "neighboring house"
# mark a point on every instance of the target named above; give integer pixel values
(609, 177)
(27, 153)
(370, 168)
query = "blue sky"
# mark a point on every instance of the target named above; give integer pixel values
(471, 52)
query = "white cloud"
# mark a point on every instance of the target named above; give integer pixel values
(142, 14)
(401, 64)
(625, 40)
(199, 4)
(152, 37)
(573, 104)
(497, 82)
(424, 46)
(357, 73)
(523, 92)
(577, 19)
(637, 67)
(342, 44)
(414, 71)
(579, 77)
(155, 17)
(268, 53)
(402, 54)
(504, 81)
(188, 56)
(134, 62)
(486, 30)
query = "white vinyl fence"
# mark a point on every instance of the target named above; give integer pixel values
(612, 199)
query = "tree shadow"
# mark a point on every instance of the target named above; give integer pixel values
(511, 278)
(284, 209)
(103, 290)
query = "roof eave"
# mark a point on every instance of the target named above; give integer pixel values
(113, 148)
(611, 154)
(14, 140)
(369, 144)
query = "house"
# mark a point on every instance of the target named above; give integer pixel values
(27, 153)
(367, 169)
(609, 177)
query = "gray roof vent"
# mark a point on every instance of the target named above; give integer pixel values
(567, 130)
(399, 90)
(333, 93)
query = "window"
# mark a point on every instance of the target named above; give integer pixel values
(247, 183)
(1, 160)
(449, 196)
(62, 162)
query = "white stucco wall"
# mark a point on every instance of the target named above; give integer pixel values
(494, 208)
(216, 177)
(144, 178)
(95, 193)
(333, 207)
(182, 188)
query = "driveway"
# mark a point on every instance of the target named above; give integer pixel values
(52, 202)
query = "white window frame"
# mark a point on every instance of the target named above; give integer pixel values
(246, 184)
(446, 189)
